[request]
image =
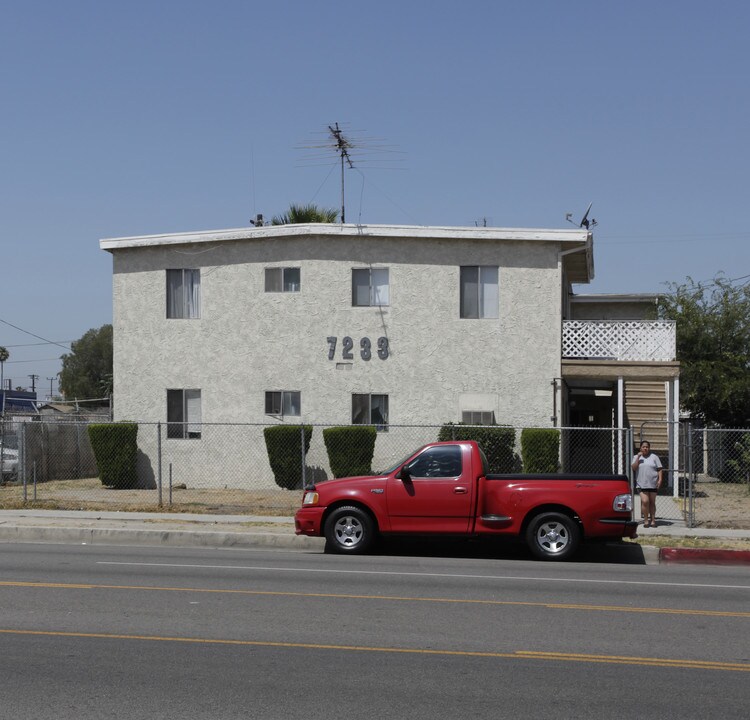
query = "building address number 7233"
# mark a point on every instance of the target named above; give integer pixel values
(365, 348)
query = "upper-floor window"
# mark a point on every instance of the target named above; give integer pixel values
(183, 413)
(479, 291)
(370, 287)
(183, 293)
(283, 402)
(370, 410)
(282, 279)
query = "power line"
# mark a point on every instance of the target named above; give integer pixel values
(39, 344)
(38, 337)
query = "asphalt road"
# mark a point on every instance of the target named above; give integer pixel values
(114, 632)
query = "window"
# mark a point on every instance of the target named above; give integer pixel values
(283, 402)
(370, 287)
(437, 462)
(183, 414)
(479, 292)
(478, 417)
(183, 293)
(370, 410)
(282, 279)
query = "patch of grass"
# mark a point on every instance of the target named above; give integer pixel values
(693, 542)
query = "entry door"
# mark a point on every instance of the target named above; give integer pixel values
(437, 497)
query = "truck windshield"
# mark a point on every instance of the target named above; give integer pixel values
(392, 468)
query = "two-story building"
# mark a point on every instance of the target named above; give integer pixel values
(376, 324)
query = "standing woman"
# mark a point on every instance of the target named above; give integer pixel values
(648, 470)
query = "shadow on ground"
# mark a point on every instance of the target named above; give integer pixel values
(620, 553)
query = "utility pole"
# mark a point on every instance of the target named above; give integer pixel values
(34, 378)
(51, 380)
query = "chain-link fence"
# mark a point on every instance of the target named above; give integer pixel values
(230, 468)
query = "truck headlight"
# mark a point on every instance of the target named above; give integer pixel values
(311, 498)
(623, 503)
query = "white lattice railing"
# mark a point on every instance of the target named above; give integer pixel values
(653, 340)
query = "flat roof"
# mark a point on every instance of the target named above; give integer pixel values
(347, 230)
(579, 265)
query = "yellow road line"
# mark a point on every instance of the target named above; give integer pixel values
(390, 598)
(517, 655)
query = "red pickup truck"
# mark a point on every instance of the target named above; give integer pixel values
(444, 489)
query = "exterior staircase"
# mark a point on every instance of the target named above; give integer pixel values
(646, 413)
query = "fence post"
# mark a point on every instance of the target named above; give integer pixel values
(302, 452)
(158, 461)
(22, 454)
(689, 478)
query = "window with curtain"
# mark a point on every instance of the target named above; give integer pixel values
(370, 287)
(183, 414)
(370, 410)
(283, 402)
(183, 294)
(479, 291)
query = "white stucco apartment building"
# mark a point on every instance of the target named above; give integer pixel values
(339, 324)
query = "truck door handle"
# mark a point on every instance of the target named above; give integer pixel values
(460, 490)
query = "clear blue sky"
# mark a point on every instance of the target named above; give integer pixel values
(130, 117)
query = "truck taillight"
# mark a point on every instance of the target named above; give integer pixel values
(310, 498)
(623, 503)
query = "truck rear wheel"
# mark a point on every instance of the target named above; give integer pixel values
(349, 530)
(553, 536)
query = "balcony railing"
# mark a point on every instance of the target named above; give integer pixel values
(639, 340)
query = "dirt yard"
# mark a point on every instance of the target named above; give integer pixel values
(722, 505)
(89, 494)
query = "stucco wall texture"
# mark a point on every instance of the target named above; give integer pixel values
(248, 341)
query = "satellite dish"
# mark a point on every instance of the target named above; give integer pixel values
(585, 222)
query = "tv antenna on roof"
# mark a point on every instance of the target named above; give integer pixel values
(585, 222)
(348, 150)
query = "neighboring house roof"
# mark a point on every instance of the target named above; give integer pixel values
(17, 401)
(576, 244)
(58, 407)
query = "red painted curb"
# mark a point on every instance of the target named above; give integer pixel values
(704, 556)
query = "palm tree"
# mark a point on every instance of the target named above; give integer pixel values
(310, 213)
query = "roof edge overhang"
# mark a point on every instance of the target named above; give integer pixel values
(645, 298)
(568, 238)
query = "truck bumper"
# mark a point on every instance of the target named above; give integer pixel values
(620, 527)
(308, 521)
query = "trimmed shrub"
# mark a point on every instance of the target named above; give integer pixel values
(540, 450)
(350, 449)
(284, 447)
(115, 447)
(498, 443)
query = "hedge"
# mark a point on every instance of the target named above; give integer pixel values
(498, 443)
(540, 450)
(350, 449)
(115, 449)
(284, 447)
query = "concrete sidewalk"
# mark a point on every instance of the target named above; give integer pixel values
(253, 531)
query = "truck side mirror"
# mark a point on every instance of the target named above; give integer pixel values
(404, 474)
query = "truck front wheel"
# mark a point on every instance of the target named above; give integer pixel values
(553, 536)
(349, 530)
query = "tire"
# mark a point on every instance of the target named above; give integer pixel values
(349, 530)
(553, 536)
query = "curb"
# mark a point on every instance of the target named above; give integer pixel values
(704, 556)
(174, 538)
